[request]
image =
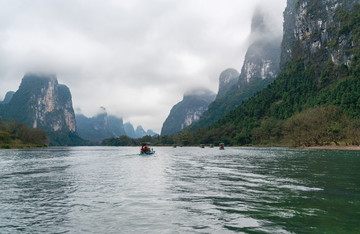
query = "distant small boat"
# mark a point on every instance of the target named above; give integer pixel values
(202, 146)
(211, 146)
(222, 147)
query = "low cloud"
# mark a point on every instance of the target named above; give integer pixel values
(137, 58)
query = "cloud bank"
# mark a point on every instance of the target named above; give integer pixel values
(137, 58)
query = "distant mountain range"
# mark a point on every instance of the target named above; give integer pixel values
(311, 74)
(41, 102)
(50, 106)
(103, 126)
(100, 126)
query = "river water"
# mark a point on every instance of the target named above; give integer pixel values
(179, 190)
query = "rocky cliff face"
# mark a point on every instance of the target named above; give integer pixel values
(309, 28)
(321, 40)
(41, 102)
(263, 55)
(261, 61)
(187, 111)
(227, 80)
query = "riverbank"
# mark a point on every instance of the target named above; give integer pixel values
(20, 145)
(335, 147)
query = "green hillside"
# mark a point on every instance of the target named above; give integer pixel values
(228, 102)
(310, 103)
(16, 135)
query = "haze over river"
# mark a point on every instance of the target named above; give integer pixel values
(179, 190)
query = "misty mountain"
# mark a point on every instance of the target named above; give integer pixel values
(260, 68)
(8, 97)
(228, 79)
(100, 126)
(151, 133)
(262, 58)
(116, 126)
(140, 132)
(187, 111)
(41, 102)
(129, 130)
(315, 98)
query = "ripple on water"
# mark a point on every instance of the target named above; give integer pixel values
(181, 190)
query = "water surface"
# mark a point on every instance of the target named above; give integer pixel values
(179, 190)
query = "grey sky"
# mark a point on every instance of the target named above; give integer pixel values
(134, 57)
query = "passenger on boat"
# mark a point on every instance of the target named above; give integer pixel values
(144, 150)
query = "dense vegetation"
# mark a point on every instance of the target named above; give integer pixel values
(223, 105)
(308, 104)
(265, 48)
(153, 140)
(66, 138)
(17, 135)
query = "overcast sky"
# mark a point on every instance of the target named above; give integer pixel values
(134, 57)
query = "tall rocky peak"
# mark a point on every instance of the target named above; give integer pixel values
(263, 55)
(227, 80)
(260, 68)
(41, 102)
(116, 126)
(188, 111)
(140, 132)
(129, 129)
(309, 28)
(150, 132)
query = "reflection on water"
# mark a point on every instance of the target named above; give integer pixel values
(112, 190)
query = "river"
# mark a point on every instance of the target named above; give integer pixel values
(179, 190)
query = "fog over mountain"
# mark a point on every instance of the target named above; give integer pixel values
(187, 111)
(136, 57)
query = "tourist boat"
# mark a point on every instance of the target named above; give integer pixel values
(202, 146)
(145, 149)
(222, 147)
(211, 146)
